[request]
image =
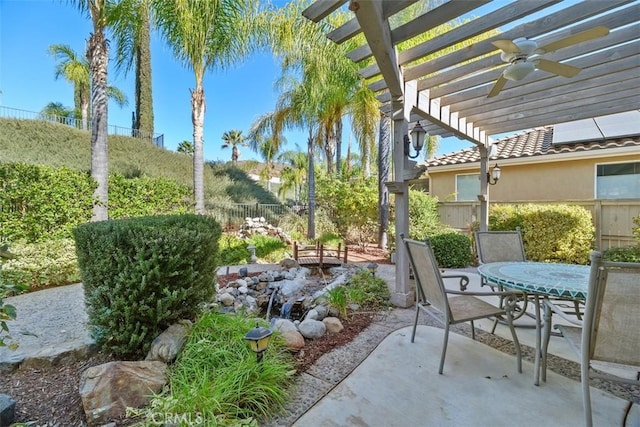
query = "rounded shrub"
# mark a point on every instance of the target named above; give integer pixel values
(451, 249)
(142, 274)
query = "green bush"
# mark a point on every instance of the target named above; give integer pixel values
(41, 202)
(142, 274)
(352, 206)
(424, 219)
(550, 233)
(46, 203)
(625, 254)
(146, 196)
(368, 291)
(42, 264)
(636, 228)
(451, 249)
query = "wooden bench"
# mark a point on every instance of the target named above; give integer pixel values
(318, 255)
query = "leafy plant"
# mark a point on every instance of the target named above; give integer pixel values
(48, 263)
(217, 377)
(337, 298)
(625, 254)
(368, 291)
(7, 311)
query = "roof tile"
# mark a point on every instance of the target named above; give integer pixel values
(537, 142)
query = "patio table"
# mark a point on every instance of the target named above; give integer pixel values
(539, 279)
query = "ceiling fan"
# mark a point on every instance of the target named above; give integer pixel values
(517, 53)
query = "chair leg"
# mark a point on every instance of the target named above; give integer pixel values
(516, 342)
(546, 336)
(495, 324)
(444, 348)
(415, 322)
(473, 331)
(586, 394)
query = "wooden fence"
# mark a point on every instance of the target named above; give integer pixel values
(613, 219)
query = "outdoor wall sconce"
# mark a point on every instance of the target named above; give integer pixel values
(417, 140)
(372, 267)
(258, 340)
(494, 176)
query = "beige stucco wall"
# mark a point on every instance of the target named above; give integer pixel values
(569, 179)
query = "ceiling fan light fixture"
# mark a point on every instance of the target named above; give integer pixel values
(518, 70)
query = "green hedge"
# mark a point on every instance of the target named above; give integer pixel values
(142, 274)
(550, 233)
(42, 203)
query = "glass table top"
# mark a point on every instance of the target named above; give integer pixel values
(560, 280)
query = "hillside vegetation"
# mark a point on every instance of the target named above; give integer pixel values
(46, 143)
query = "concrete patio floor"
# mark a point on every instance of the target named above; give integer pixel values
(397, 383)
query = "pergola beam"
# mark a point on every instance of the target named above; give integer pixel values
(321, 9)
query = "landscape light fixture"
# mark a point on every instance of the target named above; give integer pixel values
(258, 340)
(417, 141)
(372, 267)
(494, 176)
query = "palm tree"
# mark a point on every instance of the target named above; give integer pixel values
(98, 56)
(233, 139)
(75, 70)
(133, 45)
(57, 111)
(204, 34)
(292, 176)
(265, 138)
(364, 109)
(185, 147)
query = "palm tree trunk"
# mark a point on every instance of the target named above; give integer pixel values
(85, 110)
(144, 98)
(197, 118)
(98, 59)
(338, 145)
(383, 176)
(311, 178)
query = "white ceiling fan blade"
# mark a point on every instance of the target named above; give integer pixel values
(506, 46)
(497, 87)
(564, 70)
(580, 37)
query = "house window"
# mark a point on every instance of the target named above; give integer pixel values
(618, 181)
(467, 187)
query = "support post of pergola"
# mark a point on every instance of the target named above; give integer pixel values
(483, 197)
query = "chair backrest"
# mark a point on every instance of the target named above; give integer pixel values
(499, 246)
(611, 328)
(429, 283)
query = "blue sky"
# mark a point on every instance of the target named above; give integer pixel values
(235, 97)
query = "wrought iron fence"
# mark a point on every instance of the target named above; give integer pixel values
(232, 215)
(15, 113)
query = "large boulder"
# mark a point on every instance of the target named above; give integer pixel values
(312, 328)
(108, 389)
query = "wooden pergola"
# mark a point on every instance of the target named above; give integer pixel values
(448, 92)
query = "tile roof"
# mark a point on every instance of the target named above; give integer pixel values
(537, 142)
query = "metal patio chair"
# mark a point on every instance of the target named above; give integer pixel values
(610, 330)
(453, 306)
(501, 246)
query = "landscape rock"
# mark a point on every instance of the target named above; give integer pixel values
(226, 299)
(289, 263)
(333, 325)
(283, 325)
(293, 340)
(312, 328)
(313, 315)
(108, 389)
(7, 409)
(169, 343)
(322, 311)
